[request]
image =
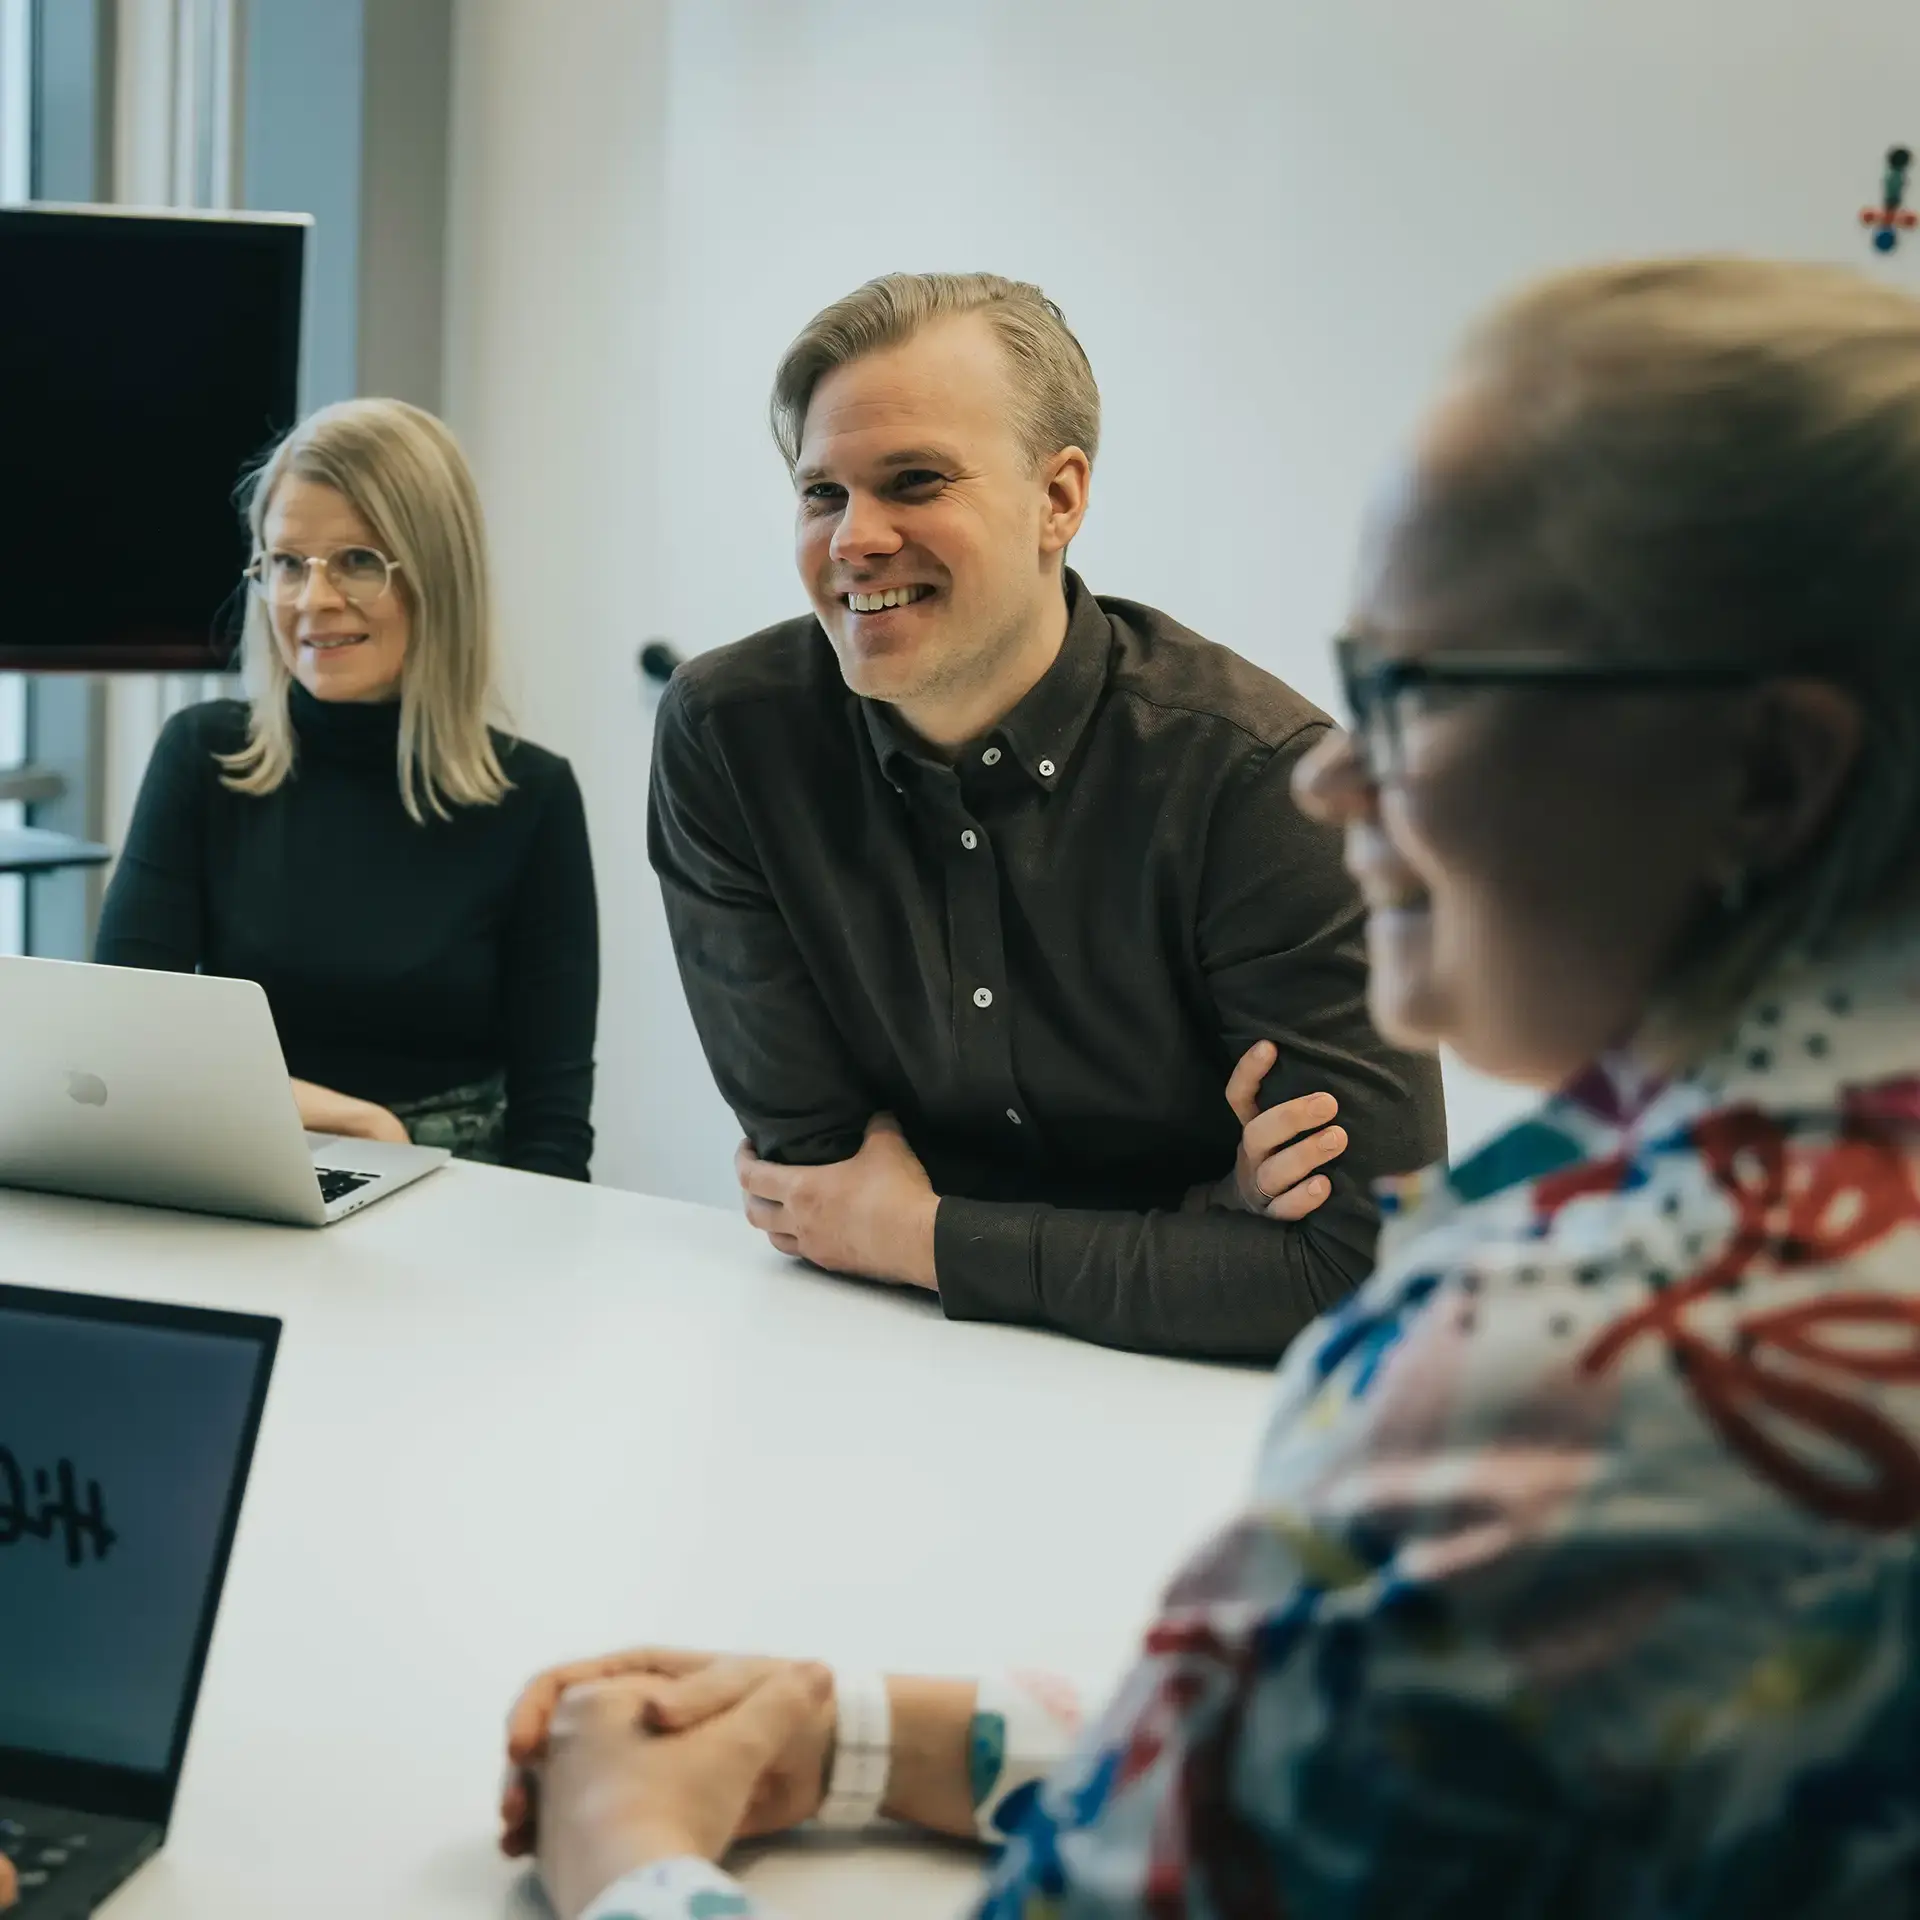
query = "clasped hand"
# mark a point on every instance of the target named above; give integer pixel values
(659, 1754)
(873, 1215)
(1277, 1170)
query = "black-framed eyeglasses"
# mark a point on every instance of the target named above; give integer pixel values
(1381, 691)
(358, 574)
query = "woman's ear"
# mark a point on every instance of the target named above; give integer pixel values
(1797, 743)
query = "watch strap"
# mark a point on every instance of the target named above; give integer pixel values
(862, 1753)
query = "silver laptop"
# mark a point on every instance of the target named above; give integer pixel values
(170, 1089)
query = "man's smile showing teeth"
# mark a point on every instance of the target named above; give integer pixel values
(880, 602)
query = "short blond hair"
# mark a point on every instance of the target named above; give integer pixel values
(1722, 457)
(404, 474)
(1057, 402)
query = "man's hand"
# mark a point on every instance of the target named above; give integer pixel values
(871, 1216)
(1276, 1172)
(9, 1887)
(686, 1688)
(615, 1796)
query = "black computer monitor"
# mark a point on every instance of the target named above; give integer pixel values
(146, 360)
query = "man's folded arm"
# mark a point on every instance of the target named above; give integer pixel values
(1281, 936)
(1212, 1285)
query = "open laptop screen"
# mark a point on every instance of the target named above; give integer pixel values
(126, 1431)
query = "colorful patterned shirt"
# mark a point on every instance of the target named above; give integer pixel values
(1579, 1577)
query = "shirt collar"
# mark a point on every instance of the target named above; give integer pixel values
(1836, 1036)
(1040, 736)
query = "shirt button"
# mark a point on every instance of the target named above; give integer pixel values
(1013, 1116)
(983, 996)
(991, 758)
(1046, 769)
(969, 839)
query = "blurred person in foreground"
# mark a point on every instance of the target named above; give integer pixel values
(1578, 1574)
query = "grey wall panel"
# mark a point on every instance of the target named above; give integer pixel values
(301, 152)
(403, 197)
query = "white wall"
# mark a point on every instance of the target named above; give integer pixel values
(1265, 218)
(554, 262)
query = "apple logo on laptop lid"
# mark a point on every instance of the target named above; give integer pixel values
(86, 1089)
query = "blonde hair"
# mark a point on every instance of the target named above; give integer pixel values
(1057, 403)
(1722, 456)
(404, 474)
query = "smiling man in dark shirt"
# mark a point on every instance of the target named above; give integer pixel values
(981, 886)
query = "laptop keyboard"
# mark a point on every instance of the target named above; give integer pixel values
(38, 1857)
(336, 1183)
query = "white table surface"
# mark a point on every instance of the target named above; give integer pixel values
(515, 1421)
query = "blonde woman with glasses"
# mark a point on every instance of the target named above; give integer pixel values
(412, 887)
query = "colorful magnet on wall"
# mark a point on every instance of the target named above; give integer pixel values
(1890, 219)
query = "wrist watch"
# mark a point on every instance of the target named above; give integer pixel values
(862, 1753)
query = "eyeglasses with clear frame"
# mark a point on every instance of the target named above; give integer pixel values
(359, 575)
(1381, 692)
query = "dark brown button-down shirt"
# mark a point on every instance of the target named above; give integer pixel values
(1045, 959)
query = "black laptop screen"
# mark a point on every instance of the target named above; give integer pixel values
(120, 1449)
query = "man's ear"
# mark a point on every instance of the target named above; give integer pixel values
(1069, 477)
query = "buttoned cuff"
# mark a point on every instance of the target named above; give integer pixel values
(677, 1890)
(983, 1261)
(1025, 1725)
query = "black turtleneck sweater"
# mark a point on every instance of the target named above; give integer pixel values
(401, 960)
